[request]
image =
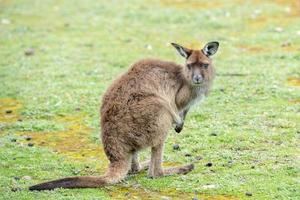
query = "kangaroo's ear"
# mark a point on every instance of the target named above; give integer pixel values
(184, 52)
(210, 48)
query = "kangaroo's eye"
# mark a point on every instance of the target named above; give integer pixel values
(205, 66)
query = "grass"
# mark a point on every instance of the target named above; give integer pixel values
(248, 128)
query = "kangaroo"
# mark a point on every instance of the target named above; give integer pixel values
(140, 108)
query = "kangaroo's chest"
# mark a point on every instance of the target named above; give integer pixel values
(196, 99)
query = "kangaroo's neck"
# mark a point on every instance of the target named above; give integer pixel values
(189, 95)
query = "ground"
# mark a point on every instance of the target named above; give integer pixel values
(58, 57)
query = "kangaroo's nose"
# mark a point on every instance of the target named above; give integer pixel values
(198, 78)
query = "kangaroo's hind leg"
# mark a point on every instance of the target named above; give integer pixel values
(155, 169)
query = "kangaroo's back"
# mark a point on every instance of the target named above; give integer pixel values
(146, 78)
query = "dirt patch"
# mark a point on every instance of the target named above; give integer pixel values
(293, 81)
(252, 49)
(258, 23)
(8, 110)
(294, 101)
(290, 48)
(292, 7)
(290, 12)
(195, 45)
(74, 142)
(190, 4)
(258, 49)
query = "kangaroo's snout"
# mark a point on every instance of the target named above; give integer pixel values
(197, 79)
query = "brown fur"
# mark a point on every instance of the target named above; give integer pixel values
(137, 112)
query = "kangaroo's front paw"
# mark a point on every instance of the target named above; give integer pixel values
(179, 127)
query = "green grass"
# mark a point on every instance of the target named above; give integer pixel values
(80, 48)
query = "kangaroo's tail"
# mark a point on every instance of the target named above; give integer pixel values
(116, 172)
(72, 182)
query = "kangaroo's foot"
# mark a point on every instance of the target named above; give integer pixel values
(136, 166)
(141, 167)
(170, 171)
(155, 174)
(156, 170)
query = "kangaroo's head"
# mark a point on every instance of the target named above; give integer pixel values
(198, 69)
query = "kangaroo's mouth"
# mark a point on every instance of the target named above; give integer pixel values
(198, 83)
(195, 82)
